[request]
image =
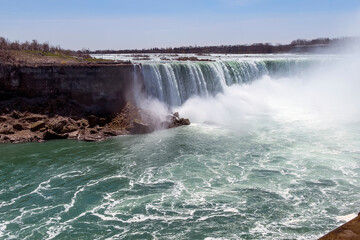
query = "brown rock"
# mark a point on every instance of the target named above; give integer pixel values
(82, 123)
(6, 138)
(57, 124)
(7, 130)
(93, 121)
(34, 118)
(37, 126)
(110, 133)
(90, 139)
(49, 135)
(174, 121)
(16, 114)
(69, 128)
(3, 118)
(73, 135)
(348, 231)
(140, 128)
(102, 122)
(18, 126)
(93, 131)
(93, 138)
(184, 121)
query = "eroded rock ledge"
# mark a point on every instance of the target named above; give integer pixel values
(24, 126)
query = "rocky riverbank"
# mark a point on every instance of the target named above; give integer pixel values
(26, 126)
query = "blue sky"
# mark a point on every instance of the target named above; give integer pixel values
(123, 24)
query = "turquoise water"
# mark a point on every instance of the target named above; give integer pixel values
(261, 179)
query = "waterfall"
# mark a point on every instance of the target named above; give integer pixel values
(175, 82)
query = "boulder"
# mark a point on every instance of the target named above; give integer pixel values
(184, 121)
(3, 118)
(102, 122)
(90, 139)
(34, 118)
(6, 130)
(69, 128)
(82, 123)
(110, 133)
(93, 121)
(50, 134)
(57, 124)
(37, 126)
(174, 121)
(93, 131)
(140, 128)
(18, 126)
(16, 114)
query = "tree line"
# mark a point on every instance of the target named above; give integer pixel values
(299, 45)
(34, 45)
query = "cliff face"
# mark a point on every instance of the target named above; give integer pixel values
(98, 88)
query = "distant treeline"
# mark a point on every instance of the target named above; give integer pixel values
(299, 45)
(34, 45)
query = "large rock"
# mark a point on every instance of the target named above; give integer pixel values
(49, 135)
(140, 128)
(57, 124)
(3, 118)
(34, 118)
(82, 123)
(18, 126)
(110, 133)
(37, 126)
(93, 121)
(102, 122)
(16, 114)
(6, 130)
(173, 120)
(69, 128)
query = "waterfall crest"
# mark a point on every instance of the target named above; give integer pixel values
(175, 82)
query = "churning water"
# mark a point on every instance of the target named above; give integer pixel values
(272, 156)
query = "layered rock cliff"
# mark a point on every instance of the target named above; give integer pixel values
(100, 89)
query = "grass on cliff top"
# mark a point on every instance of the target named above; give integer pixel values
(41, 57)
(60, 57)
(51, 54)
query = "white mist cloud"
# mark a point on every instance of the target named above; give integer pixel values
(328, 94)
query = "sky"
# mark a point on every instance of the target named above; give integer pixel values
(138, 24)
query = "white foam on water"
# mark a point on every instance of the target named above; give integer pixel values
(346, 218)
(54, 231)
(2, 229)
(231, 210)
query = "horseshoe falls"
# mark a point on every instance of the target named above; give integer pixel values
(272, 152)
(174, 83)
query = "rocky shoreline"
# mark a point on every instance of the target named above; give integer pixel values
(26, 126)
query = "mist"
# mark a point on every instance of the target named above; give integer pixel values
(328, 93)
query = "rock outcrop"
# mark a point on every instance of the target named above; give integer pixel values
(17, 126)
